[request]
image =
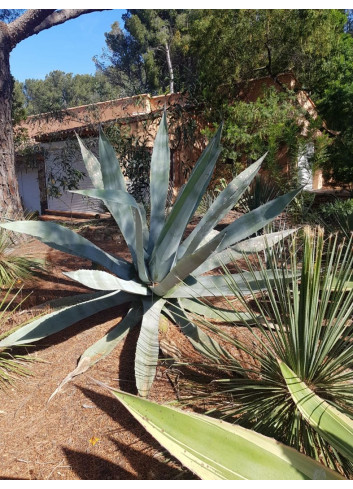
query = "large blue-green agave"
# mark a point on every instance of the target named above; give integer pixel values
(165, 274)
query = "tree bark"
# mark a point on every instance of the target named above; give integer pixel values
(31, 22)
(10, 202)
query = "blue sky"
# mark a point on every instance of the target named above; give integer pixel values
(68, 47)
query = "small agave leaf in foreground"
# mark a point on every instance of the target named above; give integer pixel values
(99, 280)
(92, 165)
(234, 253)
(103, 347)
(58, 320)
(63, 239)
(219, 314)
(216, 450)
(159, 181)
(221, 285)
(220, 207)
(147, 348)
(168, 242)
(335, 427)
(120, 197)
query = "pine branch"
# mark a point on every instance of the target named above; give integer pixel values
(60, 16)
(34, 21)
(23, 27)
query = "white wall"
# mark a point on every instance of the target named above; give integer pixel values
(69, 201)
(29, 188)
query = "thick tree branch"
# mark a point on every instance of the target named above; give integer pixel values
(23, 26)
(34, 21)
(61, 16)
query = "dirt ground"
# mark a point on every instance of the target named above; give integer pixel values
(83, 433)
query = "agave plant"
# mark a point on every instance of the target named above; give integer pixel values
(338, 215)
(234, 453)
(163, 264)
(295, 383)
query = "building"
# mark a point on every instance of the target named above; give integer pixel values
(53, 138)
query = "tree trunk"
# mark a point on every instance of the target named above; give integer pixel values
(10, 202)
(170, 69)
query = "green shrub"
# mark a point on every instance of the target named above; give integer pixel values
(338, 215)
(164, 269)
(301, 335)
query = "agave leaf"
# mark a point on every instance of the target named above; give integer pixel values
(159, 181)
(113, 180)
(112, 175)
(140, 246)
(92, 165)
(202, 343)
(206, 239)
(147, 348)
(234, 253)
(58, 320)
(103, 347)
(99, 280)
(335, 427)
(216, 450)
(108, 175)
(168, 242)
(255, 220)
(121, 213)
(120, 197)
(68, 300)
(217, 313)
(220, 207)
(185, 267)
(263, 242)
(220, 285)
(106, 345)
(348, 284)
(219, 259)
(63, 239)
(144, 225)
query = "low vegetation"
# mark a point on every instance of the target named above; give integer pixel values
(300, 336)
(12, 365)
(15, 267)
